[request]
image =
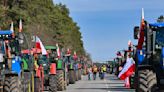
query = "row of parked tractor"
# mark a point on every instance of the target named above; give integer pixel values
(25, 69)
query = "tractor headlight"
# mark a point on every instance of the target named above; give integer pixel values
(13, 61)
(3, 65)
(44, 64)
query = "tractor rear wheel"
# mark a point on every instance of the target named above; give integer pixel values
(71, 76)
(52, 83)
(60, 80)
(79, 74)
(11, 84)
(37, 85)
(67, 79)
(147, 81)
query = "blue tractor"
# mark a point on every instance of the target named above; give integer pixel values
(12, 78)
(149, 57)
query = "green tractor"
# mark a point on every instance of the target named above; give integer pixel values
(61, 76)
(49, 70)
(44, 69)
(74, 70)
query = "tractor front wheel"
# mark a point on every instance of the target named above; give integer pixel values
(52, 83)
(11, 84)
(147, 81)
(71, 76)
(37, 85)
(60, 80)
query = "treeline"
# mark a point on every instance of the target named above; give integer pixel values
(51, 22)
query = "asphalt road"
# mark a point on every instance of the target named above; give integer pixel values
(109, 84)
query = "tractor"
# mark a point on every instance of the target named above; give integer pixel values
(44, 68)
(149, 56)
(71, 67)
(49, 71)
(61, 73)
(13, 72)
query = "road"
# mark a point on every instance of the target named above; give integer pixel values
(109, 84)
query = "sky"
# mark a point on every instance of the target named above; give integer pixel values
(107, 25)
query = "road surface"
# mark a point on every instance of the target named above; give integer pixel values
(109, 84)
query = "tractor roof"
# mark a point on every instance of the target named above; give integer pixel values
(5, 32)
(50, 47)
(157, 24)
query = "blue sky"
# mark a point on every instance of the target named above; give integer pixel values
(107, 25)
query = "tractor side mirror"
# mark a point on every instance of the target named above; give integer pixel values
(136, 32)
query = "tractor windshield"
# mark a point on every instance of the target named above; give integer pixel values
(160, 36)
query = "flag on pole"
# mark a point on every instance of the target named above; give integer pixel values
(75, 55)
(20, 26)
(58, 51)
(68, 51)
(128, 69)
(12, 27)
(141, 35)
(40, 45)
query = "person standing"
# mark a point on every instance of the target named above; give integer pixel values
(95, 69)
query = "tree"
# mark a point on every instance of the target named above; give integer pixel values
(51, 22)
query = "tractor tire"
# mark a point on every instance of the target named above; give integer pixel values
(76, 74)
(60, 80)
(79, 74)
(27, 83)
(71, 77)
(67, 79)
(37, 85)
(11, 84)
(147, 81)
(52, 83)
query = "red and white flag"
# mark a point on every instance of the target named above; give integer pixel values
(12, 27)
(75, 55)
(40, 45)
(128, 69)
(20, 26)
(58, 51)
(68, 51)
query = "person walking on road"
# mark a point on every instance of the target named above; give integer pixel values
(89, 73)
(102, 71)
(95, 69)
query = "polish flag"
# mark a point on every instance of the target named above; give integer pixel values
(40, 45)
(12, 27)
(141, 34)
(75, 55)
(68, 51)
(20, 26)
(58, 51)
(128, 69)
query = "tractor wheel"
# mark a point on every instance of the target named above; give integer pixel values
(11, 84)
(76, 74)
(52, 83)
(71, 76)
(37, 85)
(67, 79)
(147, 81)
(27, 83)
(60, 80)
(79, 74)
